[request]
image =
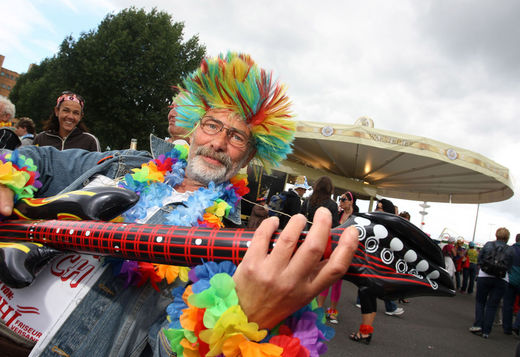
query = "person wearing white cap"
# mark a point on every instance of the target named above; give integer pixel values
(293, 199)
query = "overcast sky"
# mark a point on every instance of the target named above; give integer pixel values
(445, 70)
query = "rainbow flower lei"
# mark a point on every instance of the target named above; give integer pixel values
(206, 320)
(19, 174)
(207, 207)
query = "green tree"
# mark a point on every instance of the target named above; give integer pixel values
(125, 70)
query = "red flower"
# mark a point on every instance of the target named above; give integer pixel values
(291, 346)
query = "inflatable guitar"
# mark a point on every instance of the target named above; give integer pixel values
(394, 258)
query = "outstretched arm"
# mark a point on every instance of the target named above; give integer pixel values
(271, 286)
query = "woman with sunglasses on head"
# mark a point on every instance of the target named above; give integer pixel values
(347, 205)
(65, 128)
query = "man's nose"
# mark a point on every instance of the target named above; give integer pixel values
(219, 140)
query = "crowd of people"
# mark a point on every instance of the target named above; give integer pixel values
(463, 262)
(64, 129)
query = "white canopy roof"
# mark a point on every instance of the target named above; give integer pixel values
(380, 162)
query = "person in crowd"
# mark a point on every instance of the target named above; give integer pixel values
(449, 252)
(321, 197)
(512, 291)
(25, 130)
(178, 134)
(347, 205)
(293, 200)
(490, 288)
(368, 301)
(391, 309)
(469, 273)
(460, 254)
(405, 215)
(229, 129)
(65, 128)
(7, 111)
(259, 212)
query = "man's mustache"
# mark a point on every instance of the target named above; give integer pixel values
(219, 156)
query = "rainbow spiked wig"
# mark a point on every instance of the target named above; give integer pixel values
(235, 82)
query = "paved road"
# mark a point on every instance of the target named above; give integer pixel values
(430, 326)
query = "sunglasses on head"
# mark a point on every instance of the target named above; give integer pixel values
(72, 93)
(343, 199)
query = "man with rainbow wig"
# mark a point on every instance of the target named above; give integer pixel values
(235, 112)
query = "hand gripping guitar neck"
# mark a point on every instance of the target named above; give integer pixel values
(394, 258)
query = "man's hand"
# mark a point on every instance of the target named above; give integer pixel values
(6, 201)
(271, 287)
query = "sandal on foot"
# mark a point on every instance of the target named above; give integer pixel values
(356, 336)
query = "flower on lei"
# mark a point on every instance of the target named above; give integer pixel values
(216, 299)
(306, 330)
(171, 272)
(233, 321)
(8, 174)
(291, 346)
(207, 270)
(19, 174)
(238, 345)
(174, 309)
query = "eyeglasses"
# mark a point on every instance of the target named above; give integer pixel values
(213, 126)
(343, 199)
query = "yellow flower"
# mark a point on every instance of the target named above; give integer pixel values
(232, 322)
(219, 208)
(11, 176)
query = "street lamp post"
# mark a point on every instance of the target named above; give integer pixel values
(423, 213)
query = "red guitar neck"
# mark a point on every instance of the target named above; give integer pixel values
(162, 244)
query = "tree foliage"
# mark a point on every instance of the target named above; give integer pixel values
(125, 70)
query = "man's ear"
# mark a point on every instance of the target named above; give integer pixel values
(249, 157)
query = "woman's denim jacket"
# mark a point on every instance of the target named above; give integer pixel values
(112, 320)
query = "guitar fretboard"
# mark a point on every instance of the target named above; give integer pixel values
(162, 244)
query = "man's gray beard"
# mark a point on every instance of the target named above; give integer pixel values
(198, 169)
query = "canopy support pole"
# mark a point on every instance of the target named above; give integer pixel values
(475, 227)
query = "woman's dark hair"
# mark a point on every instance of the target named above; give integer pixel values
(388, 206)
(323, 188)
(352, 198)
(53, 123)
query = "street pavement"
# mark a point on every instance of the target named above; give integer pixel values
(430, 326)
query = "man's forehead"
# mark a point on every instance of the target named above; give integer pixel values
(229, 119)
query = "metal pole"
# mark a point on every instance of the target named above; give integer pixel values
(476, 219)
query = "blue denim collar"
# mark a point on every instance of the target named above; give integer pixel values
(159, 146)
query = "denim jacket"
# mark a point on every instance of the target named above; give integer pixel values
(112, 320)
(64, 171)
